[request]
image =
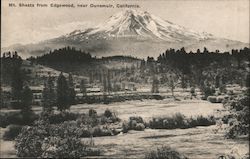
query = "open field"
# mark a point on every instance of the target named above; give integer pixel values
(195, 143)
(199, 142)
(153, 108)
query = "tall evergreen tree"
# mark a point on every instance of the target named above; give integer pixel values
(26, 99)
(72, 93)
(17, 85)
(83, 88)
(62, 90)
(155, 85)
(109, 88)
(172, 84)
(183, 81)
(49, 95)
(105, 87)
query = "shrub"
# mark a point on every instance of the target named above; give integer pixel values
(3, 120)
(220, 99)
(60, 117)
(101, 131)
(204, 121)
(180, 121)
(125, 127)
(134, 123)
(84, 131)
(138, 119)
(108, 113)
(175, 121)
(212, 99)
(12, 132)
(29, 142)
(109, 117)
(139, 127)
(52, 141)
(88, 120)
(164, 153)
(239, 117)
(92, 112)
(17, 118)
(226, 156)
(207, 91)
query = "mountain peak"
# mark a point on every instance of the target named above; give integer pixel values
(137, 23)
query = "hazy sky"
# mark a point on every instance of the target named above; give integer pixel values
(223, 18)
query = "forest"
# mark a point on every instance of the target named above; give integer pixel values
(201, 75)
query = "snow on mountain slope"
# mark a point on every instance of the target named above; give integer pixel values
(131, 23)
(130, 32)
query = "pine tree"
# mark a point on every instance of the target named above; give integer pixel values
(183, 82)
(109, 88)
(17, 85)
(62, 90)
(172, 84)
(155, 86)
(105, 83)
(83, 87)
(49, 95)
(26, 99)
(72, 93)
(217, 81)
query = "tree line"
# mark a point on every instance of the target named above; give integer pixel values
(205, 68)
(66, 55)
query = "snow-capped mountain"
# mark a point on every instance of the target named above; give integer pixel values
(131, 32)
(131, 23)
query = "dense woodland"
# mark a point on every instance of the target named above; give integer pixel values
(64, 55)
(174, 68)
(205, 68)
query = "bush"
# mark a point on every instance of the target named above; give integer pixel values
(175, 121)
(201, 121)
(84, 132)
(108, 113)
(92, 112)
(212, 99)
(134, 123)
(220, 99)
(207, 91)
(180, 121)
(125, 127)
(17, 118)
(164, 153)
(138, 119)
(52, 141)
(12, 132)
(109, 117)
(139, 127)
(60, 117)
(101, 131)
(239, 118)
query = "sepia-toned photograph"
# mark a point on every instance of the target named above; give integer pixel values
(122, 79)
